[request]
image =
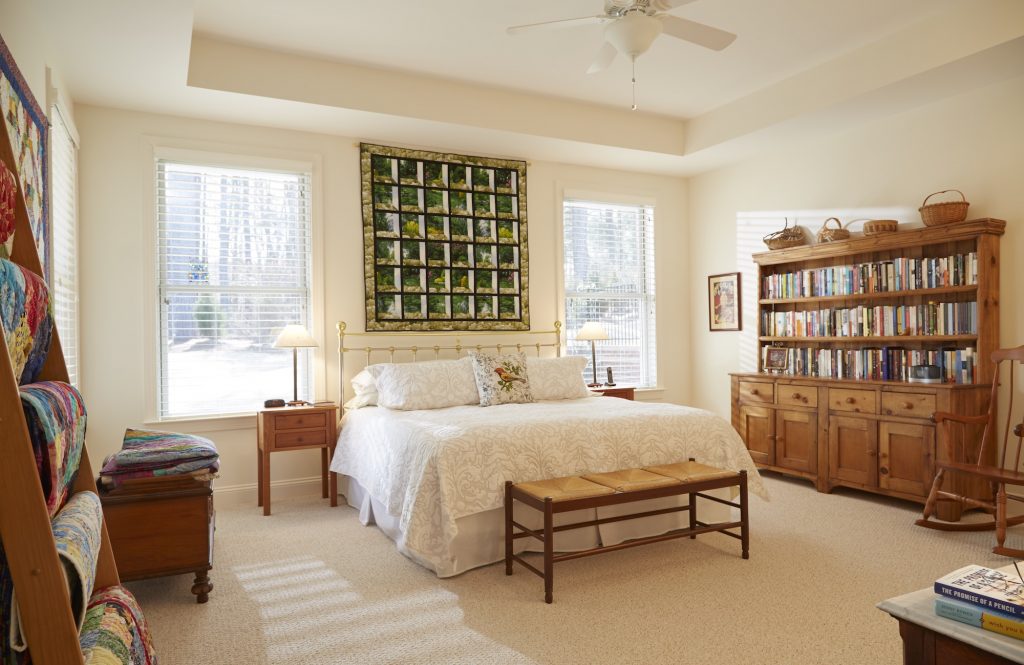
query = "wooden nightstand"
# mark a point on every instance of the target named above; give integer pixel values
(296, 428)
(622, 392)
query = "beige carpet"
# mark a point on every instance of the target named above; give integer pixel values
(311, 585)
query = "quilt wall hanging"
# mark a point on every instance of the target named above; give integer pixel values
(444, 241)
(27, 128)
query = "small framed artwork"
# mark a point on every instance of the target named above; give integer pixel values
(724, 302)
(775, 358)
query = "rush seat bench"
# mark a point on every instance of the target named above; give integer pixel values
(562, 495)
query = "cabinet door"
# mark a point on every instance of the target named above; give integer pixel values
(796, 440)
(853, 450)
(757, 427)
(905, 454)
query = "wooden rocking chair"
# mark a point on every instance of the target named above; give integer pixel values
(965, 460)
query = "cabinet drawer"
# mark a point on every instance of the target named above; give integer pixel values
(300, 420)
(847, 399)
(757, 391)
(798, 395)
(310, 438)
(910, 405)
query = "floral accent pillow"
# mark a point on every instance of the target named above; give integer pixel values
(557, 378)
(501, 379)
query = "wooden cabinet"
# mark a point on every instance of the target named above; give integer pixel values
(796, 440)
(852, 450)
(757, 427)
(905, 457)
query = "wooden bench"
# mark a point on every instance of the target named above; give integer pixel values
(561, 495)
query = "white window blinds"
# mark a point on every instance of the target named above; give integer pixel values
(609, 278)
(234, 268)
(64, 199)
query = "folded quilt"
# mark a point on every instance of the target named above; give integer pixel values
(198, 468)
(115, 631)
(8, 655)
(77, 530)
(150, 453)
(26, 318)
(55, 414)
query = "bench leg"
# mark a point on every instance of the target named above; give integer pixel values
(508, 527)
(549, 550)
(744, 516)
(693, 513)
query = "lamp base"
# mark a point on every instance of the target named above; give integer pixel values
(297, 402)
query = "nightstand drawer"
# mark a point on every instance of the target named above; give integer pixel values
(290, 439)
(300, 420)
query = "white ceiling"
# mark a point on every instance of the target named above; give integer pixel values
(466, 40)
(798, 68)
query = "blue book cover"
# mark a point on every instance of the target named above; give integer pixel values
(1000, 590)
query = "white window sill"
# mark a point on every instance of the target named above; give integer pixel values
(201, 424)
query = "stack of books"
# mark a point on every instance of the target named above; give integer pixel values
(987, 598)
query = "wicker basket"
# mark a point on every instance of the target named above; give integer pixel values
(937, 214)
(877, 227)
(831, 235)
(788, 236)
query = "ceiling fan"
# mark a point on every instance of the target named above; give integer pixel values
(631, 26)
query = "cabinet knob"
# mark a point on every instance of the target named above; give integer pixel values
(851, 400)
(754, 392)
(798, 396)
(871, 453)
(884, 471)
(908, 405)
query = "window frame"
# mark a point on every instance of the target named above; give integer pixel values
(616, 198)
(225, 156)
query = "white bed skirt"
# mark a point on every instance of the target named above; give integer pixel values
(480, 537)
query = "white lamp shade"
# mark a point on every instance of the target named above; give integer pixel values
(294, 336)
(592, 330)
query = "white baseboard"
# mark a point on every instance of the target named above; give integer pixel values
(232, 496)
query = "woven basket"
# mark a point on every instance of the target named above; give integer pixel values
(831, 235)
(937, 214)
(877, 227)
(788, 236)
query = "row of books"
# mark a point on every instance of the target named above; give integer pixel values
(992, 599)
(899, 274)
(944, 318)
(877, 364)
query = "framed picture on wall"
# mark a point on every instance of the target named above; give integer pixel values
(724, 302)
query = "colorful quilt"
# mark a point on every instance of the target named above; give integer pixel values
(115, 631)
(55, 414)
(27, 321)
(147, 453)
(8, 656)
(8, 198)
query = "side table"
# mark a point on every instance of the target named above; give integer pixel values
(296, 428)
(162, 526)
(622, 392)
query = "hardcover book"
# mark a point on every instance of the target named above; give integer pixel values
(998, 590)
(975, 616)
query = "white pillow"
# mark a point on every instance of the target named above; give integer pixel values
(434, 384)
(557, 378)
(364, 387)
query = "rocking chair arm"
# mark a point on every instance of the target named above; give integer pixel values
(940, 416)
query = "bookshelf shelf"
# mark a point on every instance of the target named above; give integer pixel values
(878, 295)
(840, 411)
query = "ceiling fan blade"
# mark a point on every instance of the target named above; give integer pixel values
(604, 58)
(697, 33)
(554, 25)
(668, 5)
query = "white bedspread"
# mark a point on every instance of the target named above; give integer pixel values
(429, 468)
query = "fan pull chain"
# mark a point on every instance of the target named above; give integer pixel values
(633, 107)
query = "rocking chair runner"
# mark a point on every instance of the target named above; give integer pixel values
(963, 460)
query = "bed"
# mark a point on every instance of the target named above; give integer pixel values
(432, 479)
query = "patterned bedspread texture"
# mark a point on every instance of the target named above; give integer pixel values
(432, 467)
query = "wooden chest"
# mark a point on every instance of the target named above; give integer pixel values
(162, 526)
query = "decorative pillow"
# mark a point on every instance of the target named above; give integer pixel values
(433, 384)
(501, 379)
(364, 385)
(557, 378)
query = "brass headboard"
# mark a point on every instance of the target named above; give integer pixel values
(474, 344)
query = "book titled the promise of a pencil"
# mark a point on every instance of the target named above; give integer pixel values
(999, 589)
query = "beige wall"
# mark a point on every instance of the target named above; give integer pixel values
(973, 142)
(116, 300)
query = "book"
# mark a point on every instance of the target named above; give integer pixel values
(995, 590)
(975, 616)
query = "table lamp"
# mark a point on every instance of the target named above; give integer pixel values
(592, 331)
(294, 337)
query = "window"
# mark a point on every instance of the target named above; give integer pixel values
(609, 278)
(64, 287)
(234, 259)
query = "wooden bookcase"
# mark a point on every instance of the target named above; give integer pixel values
(869, 430)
